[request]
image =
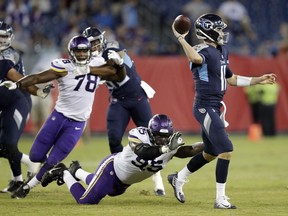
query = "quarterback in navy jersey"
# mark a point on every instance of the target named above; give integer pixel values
(128, 98)
(210, 67)
(15, 107)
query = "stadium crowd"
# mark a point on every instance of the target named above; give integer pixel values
(44, 23)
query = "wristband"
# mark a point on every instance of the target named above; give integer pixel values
(243, 81)
(18, 84)
(180, 37)
(164, 149)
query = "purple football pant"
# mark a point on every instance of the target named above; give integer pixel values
(58, 135)
(103, 182)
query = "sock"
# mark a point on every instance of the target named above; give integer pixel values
(33, 182)
(81, 174)
(183, 174)
(18, 178)
(68, 179)
(221, 176)
(31, 166)
(196, 162)
(222, 170)
(220, 189)
(158, 182)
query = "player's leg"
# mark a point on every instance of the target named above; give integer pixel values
(102, 184)
(217, 143)
(118, 118)
(13, 121)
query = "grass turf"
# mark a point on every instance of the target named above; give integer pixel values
(257, 185)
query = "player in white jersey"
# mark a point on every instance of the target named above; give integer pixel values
(77, 79)
(148, 151)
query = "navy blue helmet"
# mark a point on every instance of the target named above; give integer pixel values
(210, 27)
(97, 39)
(6, 35)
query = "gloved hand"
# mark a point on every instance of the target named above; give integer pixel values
(115, 57)
(175, 141)
(10, 85)
(178, 35)
(43, 93)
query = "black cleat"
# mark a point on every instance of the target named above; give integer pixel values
(56, 173)
(12, 186)
(21, 192)
(159, 192)
(74, 166)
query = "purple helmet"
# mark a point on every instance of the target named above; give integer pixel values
(161, 128)
(79, 43)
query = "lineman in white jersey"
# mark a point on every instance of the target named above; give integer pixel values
(149, 150)
(77, 79)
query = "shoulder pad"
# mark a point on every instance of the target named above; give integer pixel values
(199, 47)
(112, 44)
(11, 54)
(61, 65)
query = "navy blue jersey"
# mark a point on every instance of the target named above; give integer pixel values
(130, 86)
(210, 76)
(10, 58)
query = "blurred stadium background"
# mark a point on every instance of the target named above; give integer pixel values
(42, 29)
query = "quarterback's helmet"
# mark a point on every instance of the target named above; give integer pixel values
(97, 40)
(79, 43)
(210, 27)
(6, 35)
(161, 128)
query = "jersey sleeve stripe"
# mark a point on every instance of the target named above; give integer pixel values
(135, 140)
(57, 68)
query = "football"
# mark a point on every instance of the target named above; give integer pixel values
(182, 24)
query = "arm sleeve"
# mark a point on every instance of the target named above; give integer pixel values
(146, 151)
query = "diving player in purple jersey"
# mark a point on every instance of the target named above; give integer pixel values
(210, 67)
(15, 108)
(128, 98)
(149, 150)
(77, 78)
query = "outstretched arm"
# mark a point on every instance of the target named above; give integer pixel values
(189, 150)
(237, 80)
(42, 77)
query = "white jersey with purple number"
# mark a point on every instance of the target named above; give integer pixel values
(130, 168)
(76, 91)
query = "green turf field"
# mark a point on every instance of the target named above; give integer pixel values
(257, 185)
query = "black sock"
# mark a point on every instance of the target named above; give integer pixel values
(196, 162)
(222, 170)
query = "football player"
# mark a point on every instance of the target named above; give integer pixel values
(15, 107)
(77, 79)
(128, 98)
(209, 65)
(149, 150)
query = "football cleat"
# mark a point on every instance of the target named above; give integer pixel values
(159, 192)
(12, 186)
(222, 203)
(56, 173)
(74, 166)
(21, 192)
(177, 187)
